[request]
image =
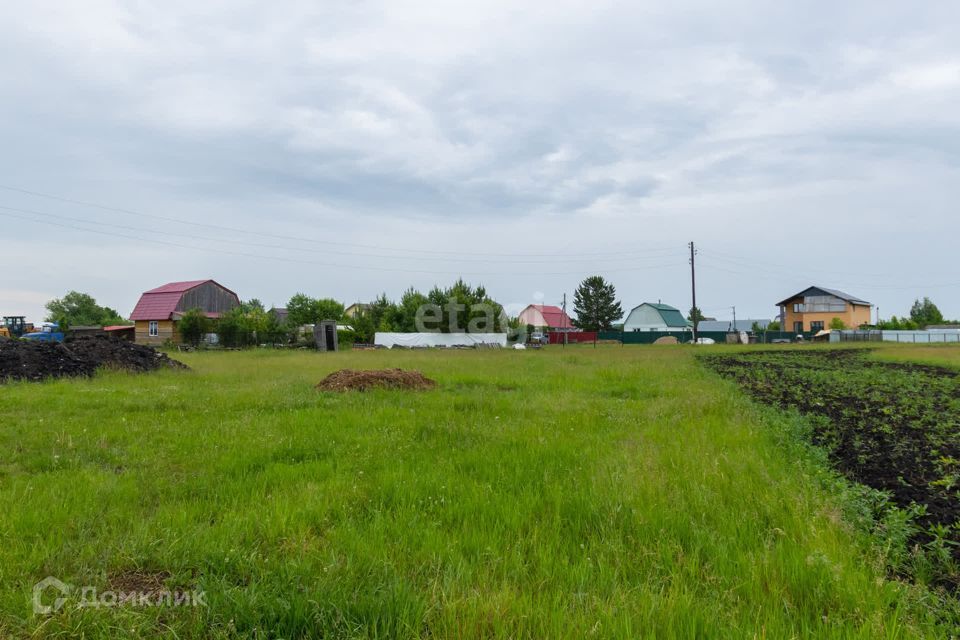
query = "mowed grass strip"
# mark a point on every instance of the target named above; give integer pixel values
(614, 492)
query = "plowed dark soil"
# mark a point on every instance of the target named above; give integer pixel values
(894, 427)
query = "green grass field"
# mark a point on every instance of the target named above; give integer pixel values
(620, 492)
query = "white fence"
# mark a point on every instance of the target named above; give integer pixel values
(413, 340)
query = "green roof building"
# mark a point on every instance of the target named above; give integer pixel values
(651, 316)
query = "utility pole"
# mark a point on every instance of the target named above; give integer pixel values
(735, 318)
(693, 288)
(565, 327)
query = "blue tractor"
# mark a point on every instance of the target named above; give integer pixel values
(49, 332)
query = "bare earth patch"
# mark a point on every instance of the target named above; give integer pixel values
(135, 580)
(352, 380)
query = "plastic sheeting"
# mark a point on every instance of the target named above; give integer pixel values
(438, 339)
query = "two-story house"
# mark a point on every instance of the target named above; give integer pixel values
(814, 308)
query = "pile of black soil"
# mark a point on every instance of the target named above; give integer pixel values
(29, 360)
(33, 360)
(121, 354)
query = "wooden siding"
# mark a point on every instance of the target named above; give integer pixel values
(208, 297)
(166, 330)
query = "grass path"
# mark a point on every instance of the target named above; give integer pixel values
(616, 492)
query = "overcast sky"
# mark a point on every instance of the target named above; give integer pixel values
(349, 148)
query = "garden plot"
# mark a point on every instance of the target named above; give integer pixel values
(892, 426)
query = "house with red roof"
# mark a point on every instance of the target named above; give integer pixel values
(158, 310)
(544, 317)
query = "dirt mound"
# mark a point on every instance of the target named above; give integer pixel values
(32, 360)
(350, 380)
(29, 360)
(121, 354)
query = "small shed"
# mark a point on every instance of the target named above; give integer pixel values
(123, 331)
(325, 336)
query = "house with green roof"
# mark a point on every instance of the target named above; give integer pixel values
(651, 316)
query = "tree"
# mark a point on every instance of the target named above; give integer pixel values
(327, 309)
(253, 304)
(837, 324)
(79, 309)
(363, 327)
(695, 316)
(193, 325)
(925, 313)
(461, 307)
(302, 309)
(774, 326)
(596, 305)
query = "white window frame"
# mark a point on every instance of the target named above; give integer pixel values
(153, 328)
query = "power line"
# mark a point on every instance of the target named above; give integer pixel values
(288, 248)
(302, 239)
(753, 272)
(312, 262)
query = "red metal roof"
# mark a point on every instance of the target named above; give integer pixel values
(160, 303)
(177, 287)
(119, 327)
(156, 306)
(555, 317)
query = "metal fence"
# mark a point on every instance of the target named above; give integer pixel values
(573, 337)
(909, 337)
(720, 337)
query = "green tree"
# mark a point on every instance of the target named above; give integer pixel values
(774, 326)
(327, 309)
(363, 327)
(79, 309)
(596, 305)
(925, 313)
(193, 325)
(837, 324)
(253, 304)
(274, 331)
(382, 314)
(302, 309)
(229, 327)
(410, 302)
(695, 316)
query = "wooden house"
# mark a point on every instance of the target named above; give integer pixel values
(158, 310)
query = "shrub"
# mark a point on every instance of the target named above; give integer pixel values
(193, 325)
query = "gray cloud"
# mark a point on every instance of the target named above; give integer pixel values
(814, 143)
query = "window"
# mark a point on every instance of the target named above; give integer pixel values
(798, 327)
(816, 325)
(796, 307)
(153, 329)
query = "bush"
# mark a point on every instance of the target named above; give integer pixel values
(193, 325)
(346, 337)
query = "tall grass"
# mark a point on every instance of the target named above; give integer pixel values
(609, 492)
